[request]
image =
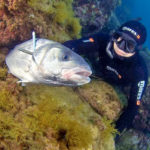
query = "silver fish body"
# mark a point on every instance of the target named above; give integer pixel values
(50, 63)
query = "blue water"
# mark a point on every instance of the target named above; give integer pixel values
(139, 8)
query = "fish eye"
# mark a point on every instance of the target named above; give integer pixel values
(66, 57)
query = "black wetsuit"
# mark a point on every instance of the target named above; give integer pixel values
(117, 70)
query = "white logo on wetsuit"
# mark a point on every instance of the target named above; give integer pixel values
(130, 30)
(141, 85)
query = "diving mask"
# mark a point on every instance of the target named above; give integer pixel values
(124, 42)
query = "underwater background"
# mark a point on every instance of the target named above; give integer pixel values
(41, 117)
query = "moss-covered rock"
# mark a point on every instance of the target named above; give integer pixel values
(128, 141)
(3, 73)
(133, 140)
(43, 117)
(102, 97)
(49, 19)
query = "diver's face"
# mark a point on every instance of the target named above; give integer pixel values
(119, 51)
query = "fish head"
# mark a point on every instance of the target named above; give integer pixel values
(62, 66)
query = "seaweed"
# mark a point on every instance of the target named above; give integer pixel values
(49, 19)
(109, 127)
(60, 14)
(102, 97)
(43, 117)
(3, 73)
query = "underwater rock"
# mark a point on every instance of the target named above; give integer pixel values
(3, 53)
(133, 140)
(43, 117)
(102, 97)
(72, 109)
(112, 24)
(14, 22)
(94, 14)
(53, 20)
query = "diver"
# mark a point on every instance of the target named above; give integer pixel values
(116, 59)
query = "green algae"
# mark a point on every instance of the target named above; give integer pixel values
(133, 140)
(29, 125)
(68, 129)
(128, 141)
(57, 112)
(50, 19)
(109, 128)
(58, 118)
(61, 17)
(3, 73)
(5, 100)
(51, 117)
(102, 97)
(121, 95)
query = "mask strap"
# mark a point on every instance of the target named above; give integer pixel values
(108, 49)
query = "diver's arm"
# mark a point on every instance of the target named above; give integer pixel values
(137, 91)
(90, 48)
(84, 46)
(88, 45)
(139, 83)
(140, 80)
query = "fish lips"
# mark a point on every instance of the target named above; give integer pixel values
(79, 75)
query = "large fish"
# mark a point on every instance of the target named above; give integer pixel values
(49, 63)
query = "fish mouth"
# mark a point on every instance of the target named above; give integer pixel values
(69, 77)
(84, 73)
(79, 75)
